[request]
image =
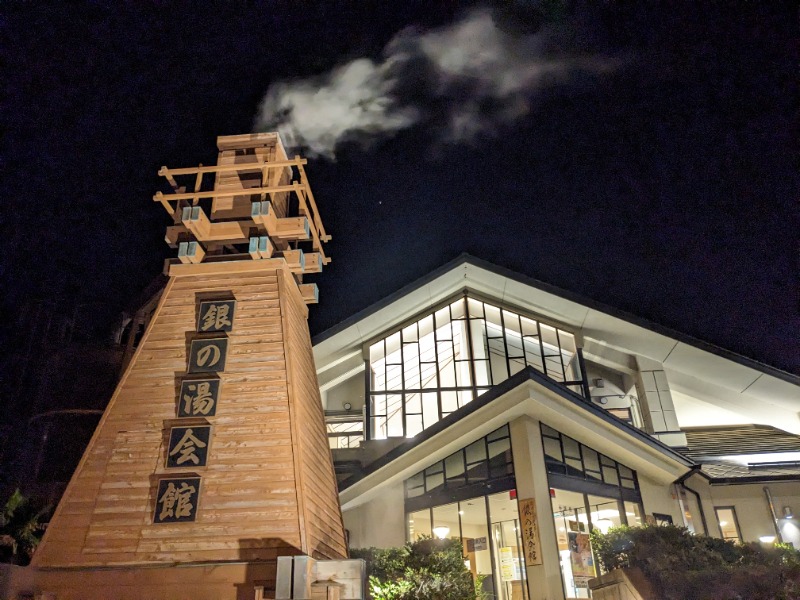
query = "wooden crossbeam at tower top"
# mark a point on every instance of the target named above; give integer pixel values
(255, 188)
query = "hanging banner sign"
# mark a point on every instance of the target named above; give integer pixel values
(531, 542)
(580, 557)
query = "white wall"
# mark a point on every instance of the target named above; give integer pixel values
(752, 509)
(659, 498)
(379, 523)
(351, 390)
(696, 413)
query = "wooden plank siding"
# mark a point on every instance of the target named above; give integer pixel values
(322, 514)
(268, 488)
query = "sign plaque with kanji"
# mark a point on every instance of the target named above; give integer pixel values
(176, 500)
(188, 446)
(531, 543)
(198, 398)
(216, 315)
(208, 356)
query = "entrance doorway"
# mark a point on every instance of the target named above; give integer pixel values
(489, 530)
(507, 548)
(575, 515)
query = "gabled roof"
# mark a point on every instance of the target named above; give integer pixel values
(700, 370)
(729, 473)
(528, 373)
(527, 393)
(738, 440)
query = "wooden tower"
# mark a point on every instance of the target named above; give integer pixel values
(211, 459)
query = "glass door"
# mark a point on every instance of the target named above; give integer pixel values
(572, 533)
(506, 539)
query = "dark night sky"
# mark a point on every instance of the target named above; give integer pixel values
(666, 187)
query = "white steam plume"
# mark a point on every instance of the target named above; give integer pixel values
(464, 79)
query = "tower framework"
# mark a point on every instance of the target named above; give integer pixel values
(211, 459)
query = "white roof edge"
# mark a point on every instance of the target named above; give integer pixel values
(731, 374)
(531, 399)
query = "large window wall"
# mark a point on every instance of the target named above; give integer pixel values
(588, 490)
(436, 365)
(470, 496)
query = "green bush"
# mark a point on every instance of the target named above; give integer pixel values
(681, 565)
(21, 528)
(427, 569)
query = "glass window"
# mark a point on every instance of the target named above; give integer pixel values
(419, 524)
(454, 469)
(633, 514)
(506, 538)
(445, 522)
(581, 463)
(475, 537)
(415, 485)
(500, 461)
(430, 408)
(483, 461)
(728, 524)
(489, 532)
(591, 463)
(459, 352)
(604, 513)
(572, 536)
(434, 478)
(552, 449)
(476, 452)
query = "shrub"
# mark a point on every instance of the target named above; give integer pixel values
(21, 528)
(681, 565)
(423, 570)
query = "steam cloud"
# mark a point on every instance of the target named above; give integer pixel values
(464, 80)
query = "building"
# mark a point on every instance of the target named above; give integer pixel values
(474, 404)
(211, 460)
(479, 404)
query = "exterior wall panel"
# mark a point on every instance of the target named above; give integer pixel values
(267, 439)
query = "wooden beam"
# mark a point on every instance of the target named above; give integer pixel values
(260, 247)
(296, 260)
(173, 235)
(160, 197)
(304, 180)
(313, 262)
(262, 213)
(292, 227)
(196, 221)
(163, 170)
(190, 252)
(309, 292)
(198, 183)
(254, 166)
(314, 230)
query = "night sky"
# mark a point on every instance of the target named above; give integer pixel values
(655, 173)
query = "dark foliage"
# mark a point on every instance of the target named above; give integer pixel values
(423, 570)
(681, 565)
(21, 529)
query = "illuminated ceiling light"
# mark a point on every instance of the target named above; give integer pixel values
(604, 525)
(723, 523)
(441, 531)
(766, 539)
(787, 512)
(461, 512)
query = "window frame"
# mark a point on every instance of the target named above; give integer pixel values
(731, 508)
(462, 393)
